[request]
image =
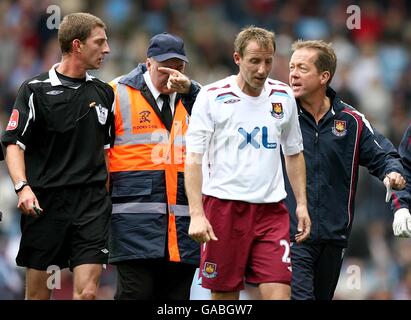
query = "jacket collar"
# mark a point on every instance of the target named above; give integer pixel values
(135, 78)
(336, 103)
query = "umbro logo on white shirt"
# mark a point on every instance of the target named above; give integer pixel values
(54, 92)
(232, 101)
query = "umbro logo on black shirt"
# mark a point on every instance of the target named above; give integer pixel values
(54, 92)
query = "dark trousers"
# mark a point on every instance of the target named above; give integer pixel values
(316, 269)
(154, 279)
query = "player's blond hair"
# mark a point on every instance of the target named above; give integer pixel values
(264, 38)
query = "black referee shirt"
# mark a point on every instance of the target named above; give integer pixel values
(63, 128)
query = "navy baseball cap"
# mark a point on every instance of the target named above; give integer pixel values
(166, 46)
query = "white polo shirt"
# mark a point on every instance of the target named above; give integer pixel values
(240, 138)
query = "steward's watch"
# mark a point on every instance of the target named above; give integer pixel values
(20, 185)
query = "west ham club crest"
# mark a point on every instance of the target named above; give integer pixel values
(277, 110)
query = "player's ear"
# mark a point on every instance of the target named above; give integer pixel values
(325, 76)
(76, 45)
(236, 57)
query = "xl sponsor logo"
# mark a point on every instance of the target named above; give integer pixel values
(250, 138)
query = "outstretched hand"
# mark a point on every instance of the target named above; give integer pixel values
(201, 230)
(304, 224)
(28, 203)
(395, 181)
(177, 81)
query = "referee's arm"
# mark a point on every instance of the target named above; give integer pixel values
(17, 169)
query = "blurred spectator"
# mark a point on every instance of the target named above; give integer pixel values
(403, 291)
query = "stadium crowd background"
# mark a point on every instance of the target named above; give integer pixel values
(373, 74)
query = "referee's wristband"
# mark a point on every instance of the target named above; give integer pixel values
(20, 186)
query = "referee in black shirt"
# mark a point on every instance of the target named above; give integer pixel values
(55, 140)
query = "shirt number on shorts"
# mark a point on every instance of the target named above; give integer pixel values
(286, 255)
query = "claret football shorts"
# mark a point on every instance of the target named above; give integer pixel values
(253, 245)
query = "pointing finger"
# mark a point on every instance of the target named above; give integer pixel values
(170, 71)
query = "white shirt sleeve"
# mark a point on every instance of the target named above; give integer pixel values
(201, 125)
(291, 138)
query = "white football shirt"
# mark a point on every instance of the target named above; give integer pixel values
(240, 137)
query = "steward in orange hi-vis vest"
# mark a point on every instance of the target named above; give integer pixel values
(150, 210)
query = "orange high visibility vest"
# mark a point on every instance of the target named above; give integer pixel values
(142, 143)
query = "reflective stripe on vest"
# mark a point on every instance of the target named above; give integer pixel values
(152, 207)
(139, 207)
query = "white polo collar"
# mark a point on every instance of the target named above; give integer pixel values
(54, 79)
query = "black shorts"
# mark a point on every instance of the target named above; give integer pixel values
(72, 230)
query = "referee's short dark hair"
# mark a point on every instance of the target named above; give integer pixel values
(77, 26)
